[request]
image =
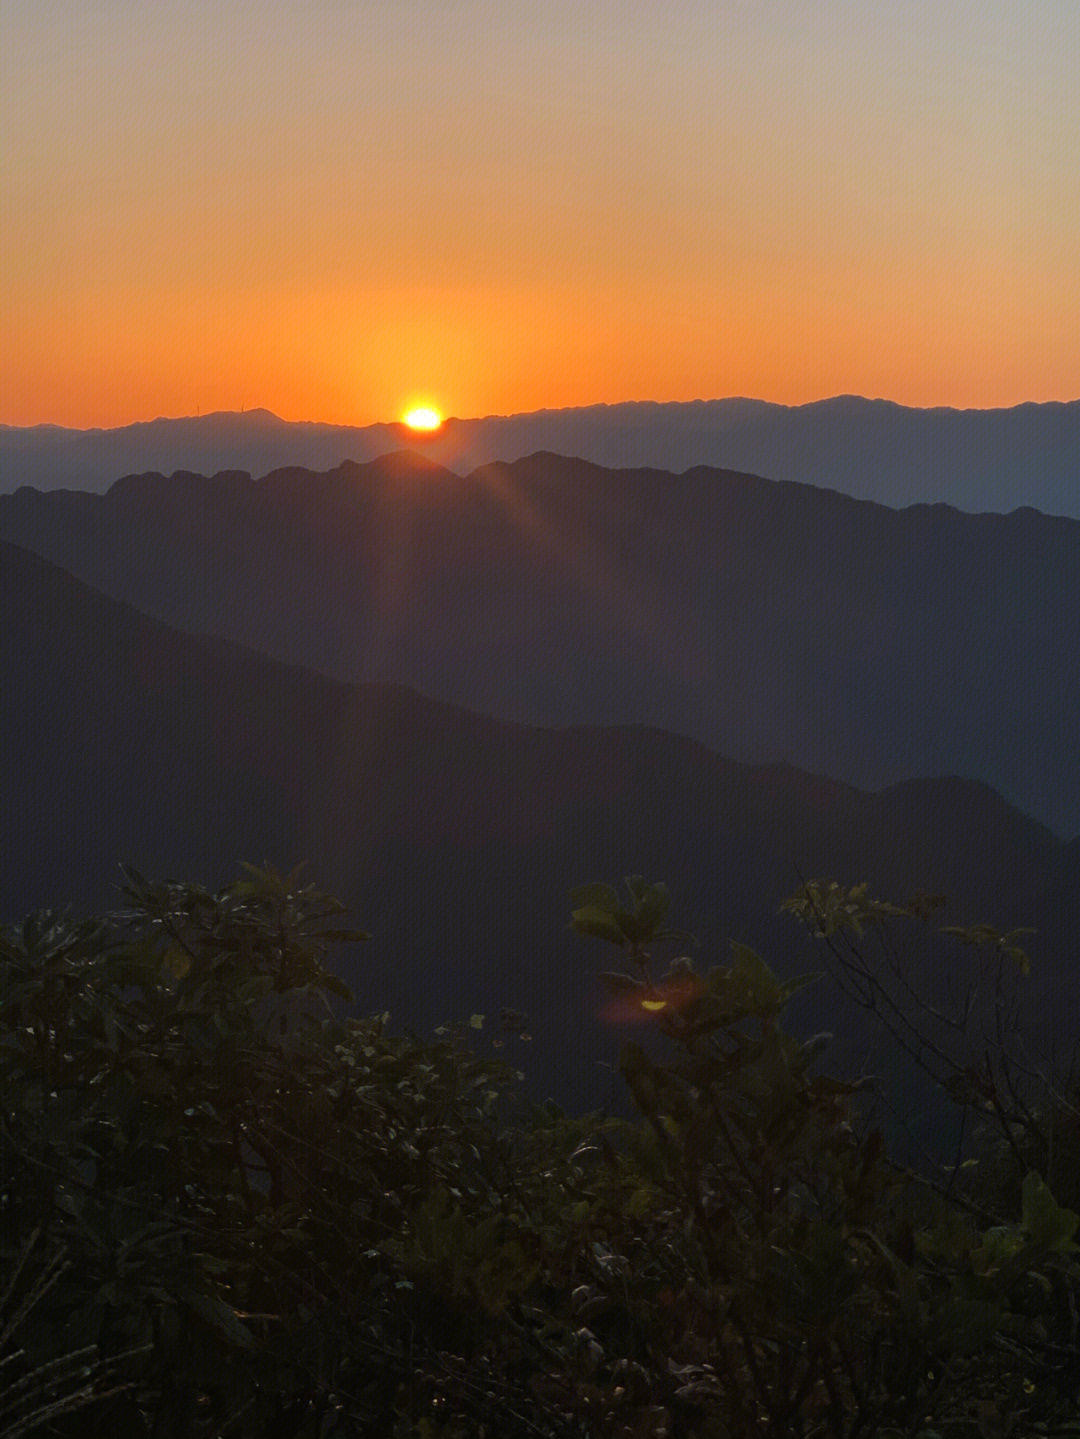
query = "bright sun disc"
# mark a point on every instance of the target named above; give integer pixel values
(423, 419)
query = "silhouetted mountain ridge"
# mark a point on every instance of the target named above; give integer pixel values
(767, 619)
(873, 449)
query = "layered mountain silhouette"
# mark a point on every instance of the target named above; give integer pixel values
(873, 449)
(454, 836)
(770, 621)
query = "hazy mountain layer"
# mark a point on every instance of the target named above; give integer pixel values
(974, 459)
(456, 837)
(770, 621)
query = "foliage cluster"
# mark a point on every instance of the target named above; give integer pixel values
(230, 1213)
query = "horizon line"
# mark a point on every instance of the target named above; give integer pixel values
(397, 424)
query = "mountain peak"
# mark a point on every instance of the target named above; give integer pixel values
(404, 462)
(871, 449)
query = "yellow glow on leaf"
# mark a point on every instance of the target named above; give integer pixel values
(654, 1004)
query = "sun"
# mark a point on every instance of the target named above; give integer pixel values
(423, 418)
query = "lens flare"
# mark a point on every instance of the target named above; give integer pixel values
(667, 994)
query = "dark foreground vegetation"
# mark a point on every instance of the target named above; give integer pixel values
(229, 1212)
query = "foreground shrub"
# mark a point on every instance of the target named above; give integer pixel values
(229, 1212)
(777, 1265)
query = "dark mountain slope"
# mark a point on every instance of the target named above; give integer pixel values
(456, 837)
(768, 620)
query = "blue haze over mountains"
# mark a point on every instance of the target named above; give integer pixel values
(872, 449)
(770, 621)
(456, 837)
(457, 683)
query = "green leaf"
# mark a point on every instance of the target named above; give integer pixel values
(800, 981)
(336, 986)
(1049, 1226)
(655, 903)
(177, 961)
(602, 896)
(597, 922)
(763, 989)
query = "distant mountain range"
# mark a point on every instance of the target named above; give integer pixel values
(770, 621)
(457, 837)
(873, 449)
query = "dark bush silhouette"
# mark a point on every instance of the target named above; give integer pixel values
(231, 1211)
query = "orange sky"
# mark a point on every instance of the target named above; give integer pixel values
(339, 209)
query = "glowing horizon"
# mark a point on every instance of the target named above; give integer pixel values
(402, 420)
(534, 207)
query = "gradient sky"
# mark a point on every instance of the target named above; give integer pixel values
(340, 208)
